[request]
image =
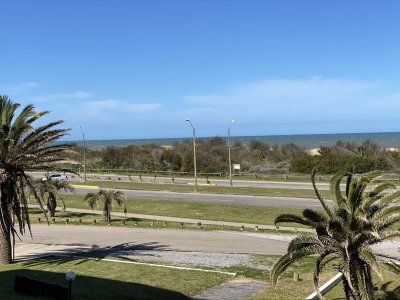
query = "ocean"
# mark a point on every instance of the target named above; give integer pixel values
(310, 141)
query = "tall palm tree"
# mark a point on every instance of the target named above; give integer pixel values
(23, 147)
(108, 197)
(52, 189)
(363, 215)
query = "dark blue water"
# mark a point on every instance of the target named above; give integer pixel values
(384, 139)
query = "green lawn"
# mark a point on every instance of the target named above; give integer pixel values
(288, 289)
(107, 280)
(83, 219)
(110, 280)
(196, 210)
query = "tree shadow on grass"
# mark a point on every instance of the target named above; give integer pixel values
(70, 214)
(86, 287)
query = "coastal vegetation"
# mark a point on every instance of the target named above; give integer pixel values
(257, 157)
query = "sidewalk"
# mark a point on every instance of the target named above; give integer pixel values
(237, 289)
(186, 220)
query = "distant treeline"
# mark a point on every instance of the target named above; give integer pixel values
(256, 157)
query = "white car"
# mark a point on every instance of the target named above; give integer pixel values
(57, 177)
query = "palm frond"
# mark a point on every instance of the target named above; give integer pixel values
(318, 194)
(283, 263)
(305, 242)
(368, 256)
(314, 217)
(336, 193)
(322, 261)
(291, 218)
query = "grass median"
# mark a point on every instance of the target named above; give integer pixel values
(195, 210)
(288, 289)
(182, 188)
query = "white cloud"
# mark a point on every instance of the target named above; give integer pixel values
(298, 105)
(290, 99)
(62, 96)
(121, 106)
(20, 88)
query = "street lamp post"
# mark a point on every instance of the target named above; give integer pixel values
(194, 153)
(84, 153)
(229, 153)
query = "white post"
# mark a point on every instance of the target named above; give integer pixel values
(84, 153)
(326, 287)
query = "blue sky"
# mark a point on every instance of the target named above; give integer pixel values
(138, 69)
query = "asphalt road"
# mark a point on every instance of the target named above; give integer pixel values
(219, 198)
(70, 238)
(218, 182)
(161, 239)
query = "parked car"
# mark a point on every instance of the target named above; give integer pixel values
(58, 177)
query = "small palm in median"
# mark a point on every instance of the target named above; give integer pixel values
(52, 188)
(364, 215)
(108, 198)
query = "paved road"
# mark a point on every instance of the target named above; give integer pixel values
(219, 182)
(161, 239)
(219, 198)
(81, 238)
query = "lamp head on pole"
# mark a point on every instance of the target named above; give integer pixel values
(190, 122)
(70, 275)
(230, 124)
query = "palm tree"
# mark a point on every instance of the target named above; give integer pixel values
(363, 215)
(23, 147)
(52, 188)
(108, 197)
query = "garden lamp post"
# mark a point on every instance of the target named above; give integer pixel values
(84, 153)
(229, 152)
(70, 276)
(194, 153)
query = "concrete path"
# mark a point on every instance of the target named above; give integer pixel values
(238, 289)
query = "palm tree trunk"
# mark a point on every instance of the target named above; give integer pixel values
(51, 204)
(5, 249)
(353, 281)
(106, 215)
(5, 234)
(369, 285)
(346, 288)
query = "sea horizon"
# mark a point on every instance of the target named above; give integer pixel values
(309, 141)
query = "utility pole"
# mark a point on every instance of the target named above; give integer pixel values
(84, 153)
(194, 153)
